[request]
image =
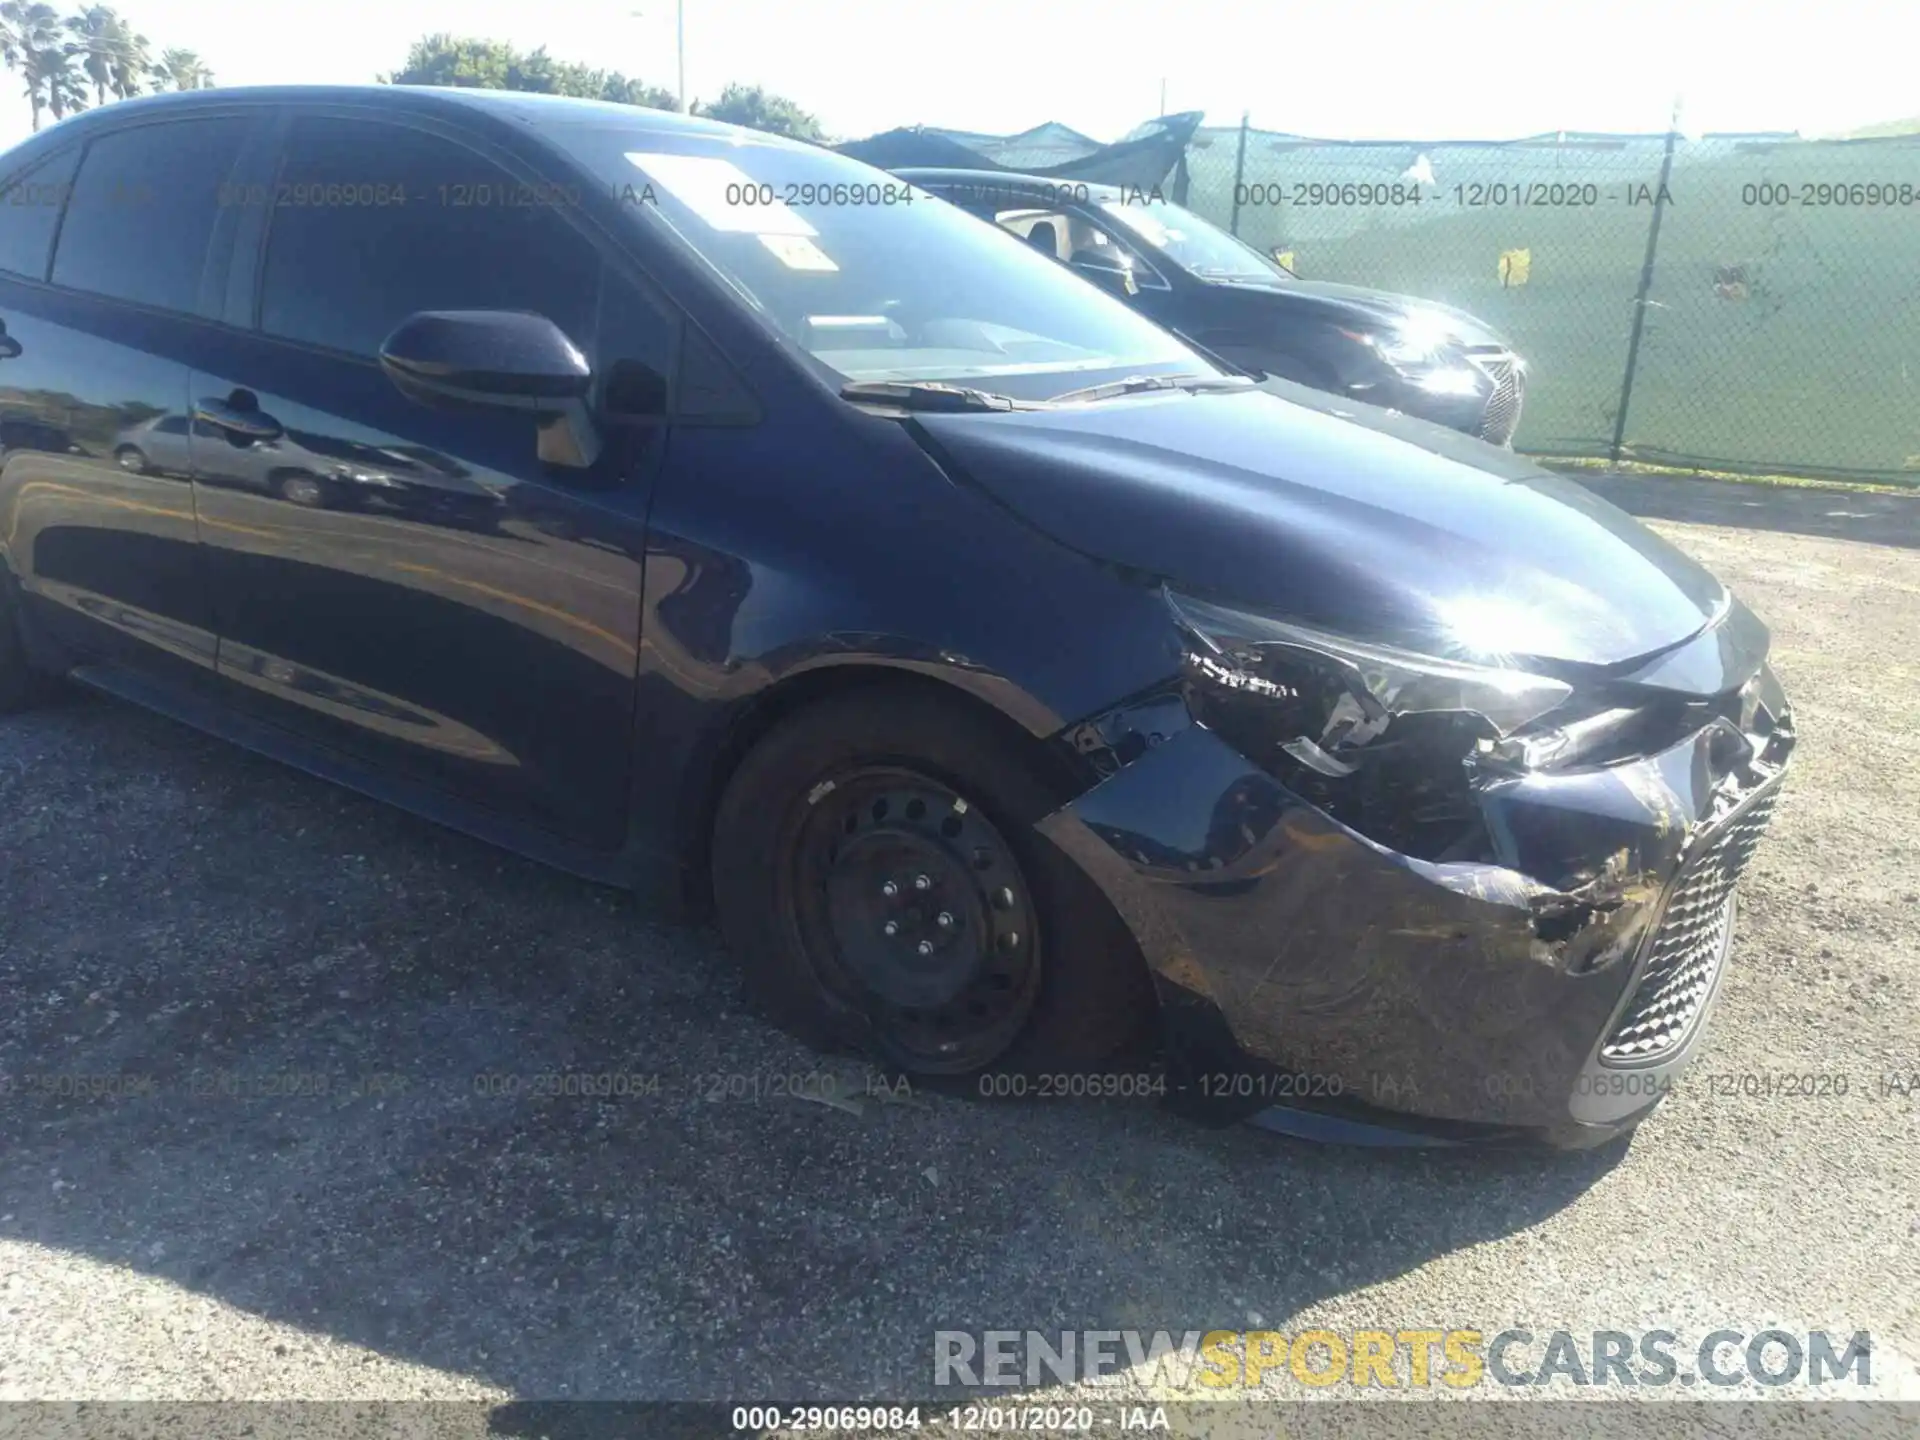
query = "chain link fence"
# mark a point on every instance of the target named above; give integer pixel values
(1778, 278)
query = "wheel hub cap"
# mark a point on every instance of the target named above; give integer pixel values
(919, 915)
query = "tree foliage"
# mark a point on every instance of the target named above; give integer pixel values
(755, 107)
(113, 57)
(492, 65)
(94, 56)
(60, 57)
(33, 42)
(181, 70)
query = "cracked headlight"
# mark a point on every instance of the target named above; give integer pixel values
(1386, 740)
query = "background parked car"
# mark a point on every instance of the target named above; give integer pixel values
(1196, 279)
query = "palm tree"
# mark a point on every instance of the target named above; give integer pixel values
(25, 27)
(30, 34)
(132, 67)
(115, 56)
(66, 85)
(182, 70)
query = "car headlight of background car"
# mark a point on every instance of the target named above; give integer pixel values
(1387, 741)
(1421, 349)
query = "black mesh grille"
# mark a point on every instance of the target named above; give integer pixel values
(1502, 415)
(1685, 952)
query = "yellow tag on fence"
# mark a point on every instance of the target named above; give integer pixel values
(1514, 267)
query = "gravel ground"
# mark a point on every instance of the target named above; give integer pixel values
(186, 923)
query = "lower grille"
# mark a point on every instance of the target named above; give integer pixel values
(1685, 953)
(1502, 415)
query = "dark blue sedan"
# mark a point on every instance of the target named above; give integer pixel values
(710, 514)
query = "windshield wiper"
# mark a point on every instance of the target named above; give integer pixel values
(1137, 384)
(927, 395)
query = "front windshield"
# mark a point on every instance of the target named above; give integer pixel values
(1193, 243)
(876, 280)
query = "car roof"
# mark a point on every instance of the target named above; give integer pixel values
(524, 109)
(1042, 186)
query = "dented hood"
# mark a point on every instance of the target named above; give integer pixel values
(1339, 515)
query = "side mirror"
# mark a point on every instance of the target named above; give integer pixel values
(498, 360)
(1111, 273)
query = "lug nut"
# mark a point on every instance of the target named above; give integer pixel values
(921, 882)
(925, 947)
(944, 920)
(889, 889)
(892, 927)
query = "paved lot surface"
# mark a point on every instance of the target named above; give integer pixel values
(309, 1195)
(1877, 517)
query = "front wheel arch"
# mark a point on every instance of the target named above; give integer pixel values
(1096, 995)
(772, 706)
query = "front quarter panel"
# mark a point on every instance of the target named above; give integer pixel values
(827, 538)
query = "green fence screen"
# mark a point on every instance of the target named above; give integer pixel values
(1782, 327)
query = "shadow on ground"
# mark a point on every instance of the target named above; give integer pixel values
(339, 1026)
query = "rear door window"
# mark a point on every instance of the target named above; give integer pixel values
(143, 209)
(30, 212)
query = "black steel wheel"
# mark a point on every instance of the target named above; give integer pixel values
(912, 907)
(877, 871)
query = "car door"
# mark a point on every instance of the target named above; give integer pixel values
(101, 326)
(415, 588)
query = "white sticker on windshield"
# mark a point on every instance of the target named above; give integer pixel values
(797, 252)
(722, 194)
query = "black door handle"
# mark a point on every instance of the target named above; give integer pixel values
(247, 421)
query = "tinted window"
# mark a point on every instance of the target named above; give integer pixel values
(143, 209)
(877, 281)
(372, 222)
(636, 352)
(29, 212)
(1206, 250)
(1061, 234)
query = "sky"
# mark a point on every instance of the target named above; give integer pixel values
(1359, 69)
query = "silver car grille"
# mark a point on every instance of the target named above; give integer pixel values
(1686, 951)
(1501, 417)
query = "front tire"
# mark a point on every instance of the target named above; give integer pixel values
(876, 870)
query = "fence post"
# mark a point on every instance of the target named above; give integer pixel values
(1239, 172)
(1646, 284)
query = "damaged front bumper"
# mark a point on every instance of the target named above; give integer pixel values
(1323, 983)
